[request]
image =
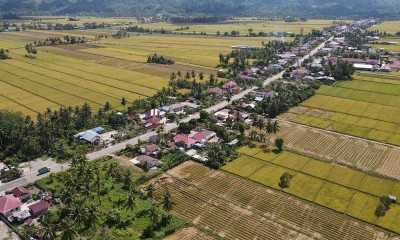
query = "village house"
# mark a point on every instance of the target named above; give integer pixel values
(151, 149)
(216, 91)
(21, 193)
(176, 108)
(92, 136)
(39, 208)
(185, 139)
(288, 55)
(9, 204)
(355, 60)
(222, 114)
(144, 159)
(204, 136)
(299, 73)
(154, 113)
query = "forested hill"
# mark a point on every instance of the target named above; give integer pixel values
(306, 8)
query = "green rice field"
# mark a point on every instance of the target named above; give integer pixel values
(342, 189)
(367, 107)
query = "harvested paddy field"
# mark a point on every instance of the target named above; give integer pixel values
(339, 188)
(189, 233)
(366, 107)
(343, 149)
(108, 70)
(237, 208)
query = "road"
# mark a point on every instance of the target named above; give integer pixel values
(57, 167)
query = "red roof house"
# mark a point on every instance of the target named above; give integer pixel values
(188, 141)
(9, 203)
(38, 208)
(19, 191)
(204, 136)
(229, 85)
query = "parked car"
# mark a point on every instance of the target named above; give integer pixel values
(43, 170)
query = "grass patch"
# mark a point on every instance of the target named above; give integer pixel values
(376, 186)
(304, 186)
(269, 175)
(346, 176)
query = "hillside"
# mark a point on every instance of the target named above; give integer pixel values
(307, 8)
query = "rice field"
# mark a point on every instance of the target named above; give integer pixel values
(366, 107)
(390, 27)
(243, 25)
(233, 207)
(102, 71)
(341, 189)
(343, 149)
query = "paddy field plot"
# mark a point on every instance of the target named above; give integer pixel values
(337, 148)
(366, 107)
(390, 27)
(243, 25)
(341, 189)
(233, 207)
(107, 70)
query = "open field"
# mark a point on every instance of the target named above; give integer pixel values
(236, 208)
(367, 107)
(336, 187)
(358, 153)
(112, 69)
(391, 27)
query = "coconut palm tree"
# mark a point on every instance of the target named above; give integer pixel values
(270, 126)
(149, 191)
(77, 213)
(49, 230)
(154, 215)
(131, 202)
(276, 127)
(253, 134)
(68, 230)
(93, 215)
(167, 202)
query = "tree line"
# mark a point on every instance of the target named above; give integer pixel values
(159, 59)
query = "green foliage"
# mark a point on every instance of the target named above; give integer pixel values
(343, 70)
(285, 180)
(96, 196)
(383, 206)
(4, 54)
(159, 59)
(172, 159)
(279, 144)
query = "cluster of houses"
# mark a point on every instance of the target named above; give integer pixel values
(182, 142)
(228, 88)
(18, 206)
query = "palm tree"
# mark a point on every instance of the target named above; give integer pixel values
(131, 202)
(49, 230)
(154, 215)
(123, 102)
(160, 130)
(270, 126)
(93, 215)
(275, 127)
(149, 191)
(167, 202)
(259, 123)
(68, 230)
(253, 134)
(112, 170)
(262, 137)
(201, 76)
(77, 213)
